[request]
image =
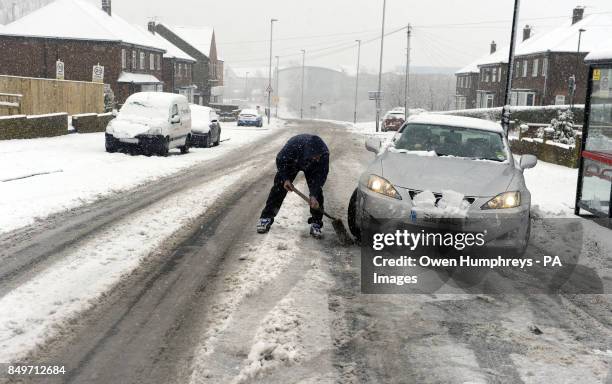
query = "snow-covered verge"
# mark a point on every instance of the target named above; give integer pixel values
(36, 310)
(39, 177)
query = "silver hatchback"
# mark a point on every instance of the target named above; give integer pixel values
(440, 167)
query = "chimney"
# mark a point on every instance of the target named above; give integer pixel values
(151, 26)
(493, 47)
(526, 32)
(107, 7)
(578, 14)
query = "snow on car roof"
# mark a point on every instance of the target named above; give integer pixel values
(456, 121)
(78, 20)
(161, 99)
(249, 112)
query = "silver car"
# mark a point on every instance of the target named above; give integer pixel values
(443, 166)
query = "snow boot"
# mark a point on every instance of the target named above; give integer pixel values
(315, 231)
(264, 225)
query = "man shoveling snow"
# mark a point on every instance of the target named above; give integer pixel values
(306, 153)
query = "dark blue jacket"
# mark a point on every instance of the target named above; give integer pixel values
(297, 156)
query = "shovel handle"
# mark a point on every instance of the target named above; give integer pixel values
(306, 199)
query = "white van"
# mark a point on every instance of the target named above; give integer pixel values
(154, 121)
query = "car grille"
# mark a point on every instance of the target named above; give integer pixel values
(414, 192)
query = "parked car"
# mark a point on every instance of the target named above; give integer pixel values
(153, 121)
(437, 153)
(205, 127)
(250, 117)
(393, 120)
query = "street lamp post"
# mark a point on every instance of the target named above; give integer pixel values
(380, 68)
(574, 83)
(407, 84)
(357, 80)
(246, 87)
(302, 97)
(277, 90)
(269, 112)
(506, 110)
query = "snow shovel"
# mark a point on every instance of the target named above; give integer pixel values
(338, 225)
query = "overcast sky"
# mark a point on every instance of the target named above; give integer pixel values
(326, 28)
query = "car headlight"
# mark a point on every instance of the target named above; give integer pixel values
(503, 201)
(382, 186)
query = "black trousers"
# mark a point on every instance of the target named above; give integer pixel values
(277, 196)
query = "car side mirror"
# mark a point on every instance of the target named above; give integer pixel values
(528, 161)
(175, 119)
(373, 144)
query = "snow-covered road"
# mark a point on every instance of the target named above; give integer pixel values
(187, 292)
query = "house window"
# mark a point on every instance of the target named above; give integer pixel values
(486, 75)
(158, 57)
(517, 71)
(525, 67)
(151, 61)
(534, 70)
(134, 60)
(545, 66)
(123, 59)
(142, 60)
(482, 75)
(560, 100)
(522, 98)
(495, 75)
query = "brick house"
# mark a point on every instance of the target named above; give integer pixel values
(199, 43)
(177, 67)
(82, 36)
(467, 84)
(543, 65)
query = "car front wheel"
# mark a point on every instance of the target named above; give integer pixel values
(352, 217)
(185, 148)
(111, 144)
(164, 146)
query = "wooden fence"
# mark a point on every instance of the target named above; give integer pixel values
(43, 96)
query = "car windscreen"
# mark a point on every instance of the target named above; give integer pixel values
(452, 141)
(143, 109)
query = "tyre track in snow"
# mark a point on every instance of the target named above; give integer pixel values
(145, 330)
(27, 251)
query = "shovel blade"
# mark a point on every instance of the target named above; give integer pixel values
(342, 233)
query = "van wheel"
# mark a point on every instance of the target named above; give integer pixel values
(164, 146)
(110, 144)
(352, 217)
(185, 148)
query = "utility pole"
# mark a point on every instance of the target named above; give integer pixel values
(380, 68)
(574, 83)
(407, 85)
(506, 110)
(246, 87)
(357, 80)
(302, 97)
(269, 111)
(277, 88)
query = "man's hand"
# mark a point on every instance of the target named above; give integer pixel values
(288, 186)
(314, 203)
